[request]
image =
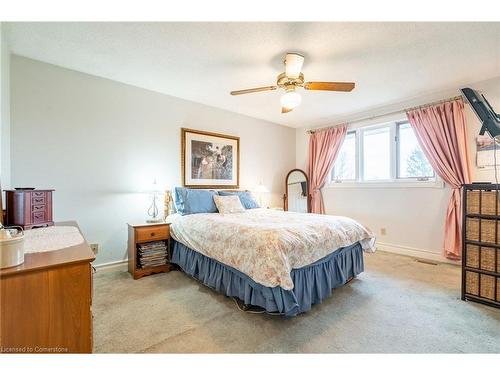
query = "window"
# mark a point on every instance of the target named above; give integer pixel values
(345, 165)
(412, 162)
(377, 154)
(382, 153)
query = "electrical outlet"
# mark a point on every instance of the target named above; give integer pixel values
(383, 231)
(94, 247)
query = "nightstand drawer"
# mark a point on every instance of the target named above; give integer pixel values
(145, 234)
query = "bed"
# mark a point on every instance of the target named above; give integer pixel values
(283, 262)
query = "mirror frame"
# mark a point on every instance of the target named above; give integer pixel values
(285, 197)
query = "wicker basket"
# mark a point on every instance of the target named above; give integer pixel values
(488, 205)
(472, 202)
(488, 202)
(488, 233)
(472, 229)
(487, 258)
(487, 288)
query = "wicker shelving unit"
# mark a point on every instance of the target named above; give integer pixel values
(481, 244)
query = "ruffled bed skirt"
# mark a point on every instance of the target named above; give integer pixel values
(312, 283)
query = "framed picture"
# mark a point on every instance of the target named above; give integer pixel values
(485, 152)
(210, 160)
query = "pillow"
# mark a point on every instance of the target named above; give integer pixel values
(245, 197)
(194, 201)
(230, 204)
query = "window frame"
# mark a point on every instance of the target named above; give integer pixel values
(398, 158)
(356, 160)
(362, 150)
(394, 180)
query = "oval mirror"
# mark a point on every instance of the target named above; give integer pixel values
(297, 193)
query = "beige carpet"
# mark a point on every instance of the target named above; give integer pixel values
(396, 305)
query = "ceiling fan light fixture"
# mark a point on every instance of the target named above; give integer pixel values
(293, 78)
(290, 99)
(293, 65)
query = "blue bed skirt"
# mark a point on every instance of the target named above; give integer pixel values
(312, 283)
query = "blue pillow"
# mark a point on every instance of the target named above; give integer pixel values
(194, 201)
(245, 197)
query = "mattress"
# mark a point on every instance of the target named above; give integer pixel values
(267, 244)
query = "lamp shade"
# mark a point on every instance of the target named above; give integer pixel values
(290, 99)
(261, 189)
(293, 65)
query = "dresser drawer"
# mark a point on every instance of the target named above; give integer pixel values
(38, 194)
(38, 200)
(38, 207)
(145, 234)
(38, 217)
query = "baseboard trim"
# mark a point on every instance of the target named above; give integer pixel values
(119, 265)
(414, 253)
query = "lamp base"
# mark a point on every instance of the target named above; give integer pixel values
(152, 221)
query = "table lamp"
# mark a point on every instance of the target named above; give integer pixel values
(260, 189)
(153, 211)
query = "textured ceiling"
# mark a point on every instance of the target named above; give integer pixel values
(202, 62)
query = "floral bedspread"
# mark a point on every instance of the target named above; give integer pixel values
(267, 244)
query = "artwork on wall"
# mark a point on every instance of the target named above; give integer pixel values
(210, 160)
(485, 152)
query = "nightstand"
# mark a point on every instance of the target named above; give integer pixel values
(148, 249)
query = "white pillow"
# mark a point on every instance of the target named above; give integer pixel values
(228, 204)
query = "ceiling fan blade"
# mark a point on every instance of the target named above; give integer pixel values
(286, 110)
(257, 89)
(293, 65)
(330, 86)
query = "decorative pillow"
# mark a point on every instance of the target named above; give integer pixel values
(230, 204)
(245, 197)
(194, 201)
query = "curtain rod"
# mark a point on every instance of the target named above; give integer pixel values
(311, 131)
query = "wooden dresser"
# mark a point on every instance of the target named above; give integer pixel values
(46, 302)
(481, 244)
(29, 208)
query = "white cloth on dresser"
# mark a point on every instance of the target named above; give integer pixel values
(51, 238)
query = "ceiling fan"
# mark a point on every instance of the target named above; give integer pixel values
(291, 79)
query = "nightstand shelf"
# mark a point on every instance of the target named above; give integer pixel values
(147, 234)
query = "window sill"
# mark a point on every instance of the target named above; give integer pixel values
(434, 184)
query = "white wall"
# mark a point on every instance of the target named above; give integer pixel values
(413, 217)
(99, 142)
(4, 109)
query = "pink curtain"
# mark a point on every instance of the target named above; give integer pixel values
(441, 132)
(324, 146)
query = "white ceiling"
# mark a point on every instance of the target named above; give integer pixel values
(202, 62)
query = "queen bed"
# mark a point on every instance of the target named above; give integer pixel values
(283, 262)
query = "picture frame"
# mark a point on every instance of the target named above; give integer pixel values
(209, 160)
(485, 152)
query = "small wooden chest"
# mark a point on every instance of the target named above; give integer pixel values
(29, 208)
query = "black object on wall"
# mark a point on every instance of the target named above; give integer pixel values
(490, 120)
